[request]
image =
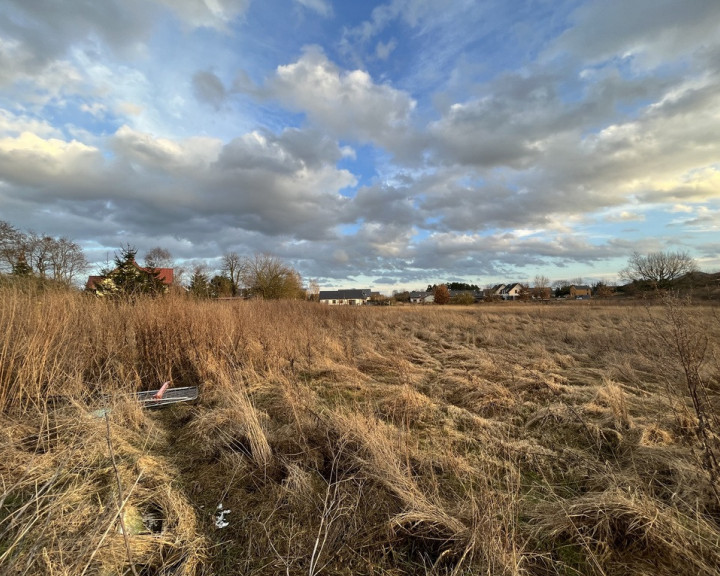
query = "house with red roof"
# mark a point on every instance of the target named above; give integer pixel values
(97, 284)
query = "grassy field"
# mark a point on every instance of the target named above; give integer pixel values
(495, 439)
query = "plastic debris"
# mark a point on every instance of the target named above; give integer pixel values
(220, 517)
(166, 395)
(159, 394)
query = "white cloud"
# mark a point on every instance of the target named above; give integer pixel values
(626, 216)
(322, 7)
(13, 125)
(165, 154)
(32, 160)
(208, 13)
(96, 109)
(384, 49)
(681, 208)
(125, 119)
(347, 104)
(284, 185)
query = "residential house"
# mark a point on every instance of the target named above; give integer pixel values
(511, 291)
(580, 292)
(352, 297)
(421, 297)
(493, 293)
(165, 275)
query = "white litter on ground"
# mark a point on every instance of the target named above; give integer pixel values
(220, 520)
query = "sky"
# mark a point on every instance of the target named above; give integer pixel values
(387, 145)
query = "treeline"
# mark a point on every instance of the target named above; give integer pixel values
(258, 276)
(26, 256)
(31, 254)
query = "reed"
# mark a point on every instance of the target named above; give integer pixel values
(492, 439)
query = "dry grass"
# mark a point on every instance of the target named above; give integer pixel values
(494, 439)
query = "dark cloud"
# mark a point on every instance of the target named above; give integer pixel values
(209, 89)
(652, 31)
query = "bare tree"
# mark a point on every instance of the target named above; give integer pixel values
(159, 258)
(67, 260)
(541, 287)
(270, 278)
(603, 290)
(231, 267)
(11, 242)
(525, 293)
(37, 250)
(658, 268)
(313, 291)
(58, 259)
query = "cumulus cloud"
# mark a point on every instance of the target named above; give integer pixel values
(347, 104)
(283, 185)
(386, 205)
(13, 125)
(31, 160)
(466, 163)
(171, 156)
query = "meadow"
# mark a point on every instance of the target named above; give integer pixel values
(498, 439)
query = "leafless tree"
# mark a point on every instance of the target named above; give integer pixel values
(525, 293)
(159, 258)
(51, 258)
(658, 268)
(58, 259)
(313, 291)
(270, 278)
(603, 290)
(37, 250)
(11, 241)
(231, 267)
(67, 260)
(541, 287)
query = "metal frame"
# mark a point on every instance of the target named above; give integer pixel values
(171, 396)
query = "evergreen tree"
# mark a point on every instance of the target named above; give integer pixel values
(199, 285)
(221, 287)
(129, 279)
(21, 267)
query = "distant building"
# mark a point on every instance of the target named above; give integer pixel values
(351, 297)
(580, 292)
(421, 297)
(165, 275)
(511, 291)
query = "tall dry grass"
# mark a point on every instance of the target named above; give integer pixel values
(499, 439)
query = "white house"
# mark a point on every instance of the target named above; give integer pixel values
(421, 297)
(511, 291)
(353, 297)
